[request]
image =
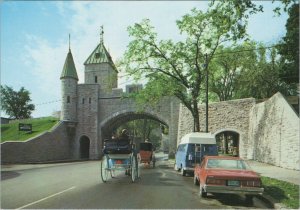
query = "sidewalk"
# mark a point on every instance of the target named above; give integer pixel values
(21, 167)
(275, 172)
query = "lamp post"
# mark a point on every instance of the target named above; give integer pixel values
(206, 94)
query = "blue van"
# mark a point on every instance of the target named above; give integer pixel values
(192, 148)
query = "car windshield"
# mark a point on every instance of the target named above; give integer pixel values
(228, 164)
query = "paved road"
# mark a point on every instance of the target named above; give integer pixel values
(79, 186)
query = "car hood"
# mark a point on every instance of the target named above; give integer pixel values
(231, 173)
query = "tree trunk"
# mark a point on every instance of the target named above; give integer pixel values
(196, 118)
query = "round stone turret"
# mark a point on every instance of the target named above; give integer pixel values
(69, 81)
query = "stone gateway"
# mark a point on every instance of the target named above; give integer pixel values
(94, 109)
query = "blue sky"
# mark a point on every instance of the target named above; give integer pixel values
(34, 37)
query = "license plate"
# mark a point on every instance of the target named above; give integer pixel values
(233, 183)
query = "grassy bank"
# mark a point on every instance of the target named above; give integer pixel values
(39, 125)
(283, 192)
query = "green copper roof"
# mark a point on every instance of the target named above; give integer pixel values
(69, 69)
(99, 55)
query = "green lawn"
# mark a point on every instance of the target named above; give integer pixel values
(39, 125)
(283, 192)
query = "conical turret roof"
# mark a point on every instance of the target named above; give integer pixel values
(69, 69)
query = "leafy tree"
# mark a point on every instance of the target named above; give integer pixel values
(286, 4)
(259, 75)
(16, 104)
(224, 71)
(176, 68)
(289, 47)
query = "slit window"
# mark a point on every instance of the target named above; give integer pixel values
(83, 101)
(90, 100)
(96, 79)
(68, 99)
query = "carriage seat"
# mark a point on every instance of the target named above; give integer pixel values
(117, 146)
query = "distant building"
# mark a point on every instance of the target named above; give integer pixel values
(5, 120)
(133, 88)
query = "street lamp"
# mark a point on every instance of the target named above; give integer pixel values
(206, 94)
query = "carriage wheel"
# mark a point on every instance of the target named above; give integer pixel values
(138, 169)
(134, 169)
(104, 167)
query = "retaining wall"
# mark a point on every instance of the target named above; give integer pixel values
(274, 133)
(49, 146)
(222, 116)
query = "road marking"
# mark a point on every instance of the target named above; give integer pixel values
(22, 207)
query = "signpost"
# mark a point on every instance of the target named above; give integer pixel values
(25, 127)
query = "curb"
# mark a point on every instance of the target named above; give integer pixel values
(271, 201)
(29, 166)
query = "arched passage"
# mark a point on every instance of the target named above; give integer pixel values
(110, 125)
(84, 147)
(115, 121)
(228, 142)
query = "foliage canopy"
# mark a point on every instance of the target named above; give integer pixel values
(16, 104)
(178, 68)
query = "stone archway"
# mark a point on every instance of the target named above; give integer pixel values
(228, 142)
(84, 147)
(109, 126)
(122, 117)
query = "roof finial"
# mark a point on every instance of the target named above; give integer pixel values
(69, 42)
(101, 34)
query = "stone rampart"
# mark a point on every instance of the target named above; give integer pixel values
(222, 116)
(274, 133)
(269, 131)
(49, 146)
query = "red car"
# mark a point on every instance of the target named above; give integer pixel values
(222, 174)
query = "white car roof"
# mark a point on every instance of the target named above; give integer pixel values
(198, 138)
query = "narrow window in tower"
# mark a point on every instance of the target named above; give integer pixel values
(96, 79)
(83, 101)
(68, 99)
(90, 100)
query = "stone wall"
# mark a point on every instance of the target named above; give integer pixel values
(274, 133)
(69, 99)
(87, 118)
(49, 146)
(269, 131)
(106, 76)
(222, 116)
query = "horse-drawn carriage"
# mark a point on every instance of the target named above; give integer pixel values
(147, 153)
(119, 154)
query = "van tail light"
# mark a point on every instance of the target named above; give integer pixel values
(215, 181)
